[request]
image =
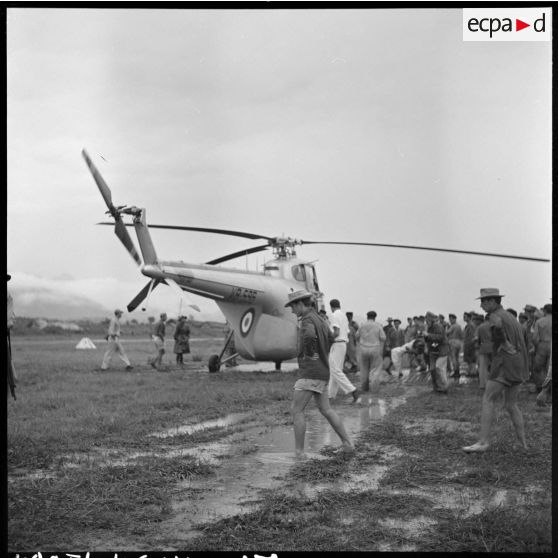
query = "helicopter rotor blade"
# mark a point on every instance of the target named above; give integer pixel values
(182, 294)
(101, 184)
(140, 297)
(251, 236)
(124, 236)
(238, 254)
(427, 248)
(119, 225)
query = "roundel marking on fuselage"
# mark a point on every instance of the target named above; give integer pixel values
(246, 322)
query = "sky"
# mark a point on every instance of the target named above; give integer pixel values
(374, 125)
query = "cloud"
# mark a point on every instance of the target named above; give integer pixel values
(67, 298)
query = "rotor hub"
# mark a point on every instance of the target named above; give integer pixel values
(284, 247)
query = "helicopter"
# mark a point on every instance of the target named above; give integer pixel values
(253, 302)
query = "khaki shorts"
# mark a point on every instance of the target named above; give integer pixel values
(319, 386)
(506, 369)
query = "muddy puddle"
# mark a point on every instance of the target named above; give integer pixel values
(250, 457)
(235, 489)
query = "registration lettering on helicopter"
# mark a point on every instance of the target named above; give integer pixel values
(243, 295)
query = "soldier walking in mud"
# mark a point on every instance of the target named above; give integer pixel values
(315, 339)
(338, 379)
(508, 369)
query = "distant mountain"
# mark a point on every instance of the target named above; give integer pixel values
(44, 305)
(42, 301)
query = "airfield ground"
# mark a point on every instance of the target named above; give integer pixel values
(184, 459)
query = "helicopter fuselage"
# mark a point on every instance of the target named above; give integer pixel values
(252, 302)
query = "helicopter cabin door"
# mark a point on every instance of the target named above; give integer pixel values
(306, 274)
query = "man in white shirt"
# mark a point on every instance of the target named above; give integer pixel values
(416, 346)
(115, 347)
(337, 379)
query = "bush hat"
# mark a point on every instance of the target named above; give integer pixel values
(298, 295)
(488, 293)
(529, 308)
(431, 316)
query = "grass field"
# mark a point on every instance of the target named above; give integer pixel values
(86, 472)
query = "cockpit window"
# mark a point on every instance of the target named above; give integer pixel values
(299, 273)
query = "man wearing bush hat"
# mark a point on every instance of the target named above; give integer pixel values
(507, 371)
(314, 341)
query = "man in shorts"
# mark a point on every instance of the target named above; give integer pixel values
(315, 339)
(508, 369)
(159, 342)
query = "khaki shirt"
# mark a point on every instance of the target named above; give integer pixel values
(542, 330)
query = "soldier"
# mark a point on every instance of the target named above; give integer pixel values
(181, 340)
(337, 378)
(314, 343)
(469, 357)
(483, 339)
(114, 345)
(159, 342)
(528, 328)
(507, 371)
(351, 357)
(438, 349)
(371, 339)
(414, 347)
(396, 339)
(542, 338)
(387, 347)
(455, 339)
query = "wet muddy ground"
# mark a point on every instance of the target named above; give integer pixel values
(249, 457)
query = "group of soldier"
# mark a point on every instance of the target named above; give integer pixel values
(181, 342)
(503, 349)
(470, 344)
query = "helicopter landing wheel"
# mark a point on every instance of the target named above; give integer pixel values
(214, 363)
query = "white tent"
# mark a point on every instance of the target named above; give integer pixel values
(85, 343)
